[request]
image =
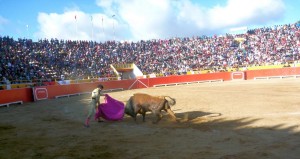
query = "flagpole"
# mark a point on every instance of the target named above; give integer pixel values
(92, 28)
(76, 28)
(103, 29)
(114, 26)
(27, 31)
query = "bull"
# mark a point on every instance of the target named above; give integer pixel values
(141, 103)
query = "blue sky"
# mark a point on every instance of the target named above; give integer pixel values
(102, 20)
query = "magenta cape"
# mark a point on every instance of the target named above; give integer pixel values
(111, 110)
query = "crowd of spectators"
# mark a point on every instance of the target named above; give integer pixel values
(48, 59)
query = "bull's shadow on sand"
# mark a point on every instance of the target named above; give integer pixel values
(212, 121)
(242, 136)
(183, 117)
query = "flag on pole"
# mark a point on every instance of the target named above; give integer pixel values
(91, 18)
(75, 17)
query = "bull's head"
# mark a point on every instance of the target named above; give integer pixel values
(171, 101)
(129, 108)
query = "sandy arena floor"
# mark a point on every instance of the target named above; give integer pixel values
(225, 120)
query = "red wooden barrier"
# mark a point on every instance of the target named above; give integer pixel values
(13, 95)
(226, 76)
(251, 74)
(54, 91)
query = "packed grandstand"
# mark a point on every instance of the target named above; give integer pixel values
(24, 60)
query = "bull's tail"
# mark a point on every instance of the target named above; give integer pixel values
(129, 108)
(171, 101)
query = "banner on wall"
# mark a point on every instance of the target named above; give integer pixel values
(238, 76)
(40, 93)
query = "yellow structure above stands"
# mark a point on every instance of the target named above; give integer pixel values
(123, 67)
(126, 71)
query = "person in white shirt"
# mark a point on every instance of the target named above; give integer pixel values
(96, 93)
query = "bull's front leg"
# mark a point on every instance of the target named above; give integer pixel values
(144, 116)
(158, 116)
(134, 117)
